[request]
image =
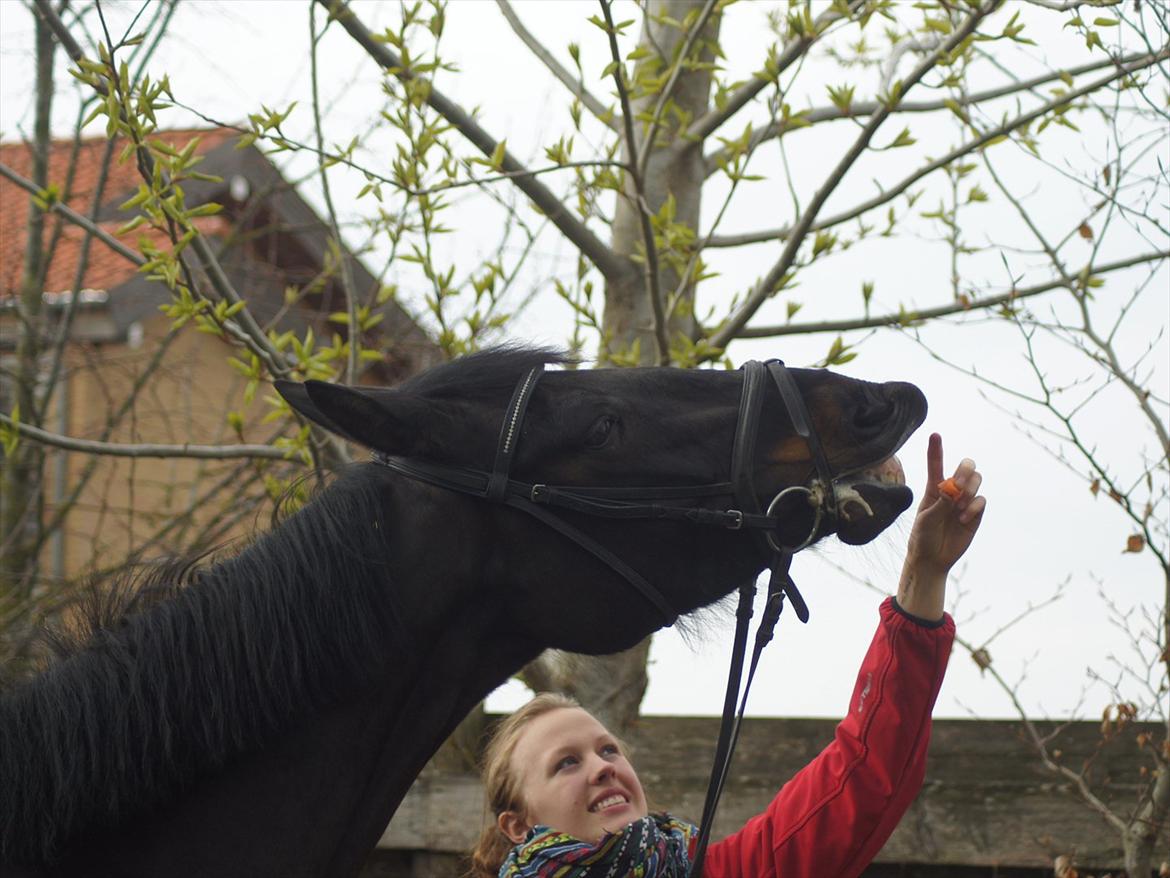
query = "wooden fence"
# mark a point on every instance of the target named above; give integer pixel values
(988, 806)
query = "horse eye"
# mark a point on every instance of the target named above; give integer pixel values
(600, 432)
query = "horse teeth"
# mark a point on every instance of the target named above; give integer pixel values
(888, 472)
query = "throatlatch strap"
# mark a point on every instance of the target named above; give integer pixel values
(584, 541)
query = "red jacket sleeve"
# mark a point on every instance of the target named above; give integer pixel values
(833, 817)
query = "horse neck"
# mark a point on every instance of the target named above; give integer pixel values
(299, 621)
(317, 799)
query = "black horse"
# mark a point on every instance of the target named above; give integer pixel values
(267, 718)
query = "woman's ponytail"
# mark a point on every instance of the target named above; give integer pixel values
(501, 784)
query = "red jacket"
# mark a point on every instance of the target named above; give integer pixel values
(833, 817)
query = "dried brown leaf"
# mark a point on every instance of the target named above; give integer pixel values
(982, 658)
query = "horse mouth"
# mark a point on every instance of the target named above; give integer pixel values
(870, 499)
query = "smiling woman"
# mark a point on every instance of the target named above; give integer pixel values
(567, 802)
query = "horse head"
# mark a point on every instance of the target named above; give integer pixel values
(649, 428)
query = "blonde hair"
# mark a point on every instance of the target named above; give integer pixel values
(501, 784)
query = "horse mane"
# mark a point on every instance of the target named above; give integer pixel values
(491, 371)
(186, 665)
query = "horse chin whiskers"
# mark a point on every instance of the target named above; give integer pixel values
(697, 628)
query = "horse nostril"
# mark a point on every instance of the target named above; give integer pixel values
(873, 416)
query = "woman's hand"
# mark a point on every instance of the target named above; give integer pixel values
(943, 529)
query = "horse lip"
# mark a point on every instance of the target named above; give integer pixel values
(885, 472)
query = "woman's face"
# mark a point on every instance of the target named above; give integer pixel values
(572, 777)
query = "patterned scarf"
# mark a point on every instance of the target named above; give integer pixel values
(657, 846)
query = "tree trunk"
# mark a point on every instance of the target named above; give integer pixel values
(611, 687)
(670, 171)
(21, 476)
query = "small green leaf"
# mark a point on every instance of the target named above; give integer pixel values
(209, 209)
(10, 435)
(130, 226)
(497, 159)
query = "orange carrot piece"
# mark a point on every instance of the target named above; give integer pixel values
(950, 489)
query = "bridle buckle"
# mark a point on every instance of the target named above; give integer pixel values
(737, 521)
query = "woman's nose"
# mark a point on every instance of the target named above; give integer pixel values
(602, 771)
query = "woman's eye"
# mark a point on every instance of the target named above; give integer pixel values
(565, 762)
(610, 750)
(600, 432)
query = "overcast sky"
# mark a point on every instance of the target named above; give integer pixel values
(1043, 530)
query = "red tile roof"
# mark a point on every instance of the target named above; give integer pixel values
(105, 269)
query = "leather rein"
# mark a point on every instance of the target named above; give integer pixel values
(541, 500)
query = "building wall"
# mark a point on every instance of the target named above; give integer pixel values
(128, 502)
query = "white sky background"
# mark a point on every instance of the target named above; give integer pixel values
(1043, 527)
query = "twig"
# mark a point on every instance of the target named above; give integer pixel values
(74, 217)
(282, 140)
(576, 86)
(351, 307)
(257, 341)
(964, 149)
(611, 266)
(902, 318)
(857, 109)
(706, 125)
(767, 285)
(121, 449)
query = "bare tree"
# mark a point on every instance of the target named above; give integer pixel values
(927, 100)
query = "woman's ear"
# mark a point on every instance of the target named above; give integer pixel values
(513, 825)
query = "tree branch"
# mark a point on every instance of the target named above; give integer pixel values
(767, 285)
(705, 126)
(1077, 779)
(255, 337)
(603, 114)
(353, 328)
(968, 147)
(121, 449)
(74, 217)
(611, 266)
(862, 109)
(903, 317)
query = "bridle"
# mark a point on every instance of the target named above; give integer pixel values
(540, 500)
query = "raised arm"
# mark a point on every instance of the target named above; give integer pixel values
(833, 817)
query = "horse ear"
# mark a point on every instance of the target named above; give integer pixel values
(372, 416)
(297, 396)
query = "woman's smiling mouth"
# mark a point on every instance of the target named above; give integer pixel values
(609, 801)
